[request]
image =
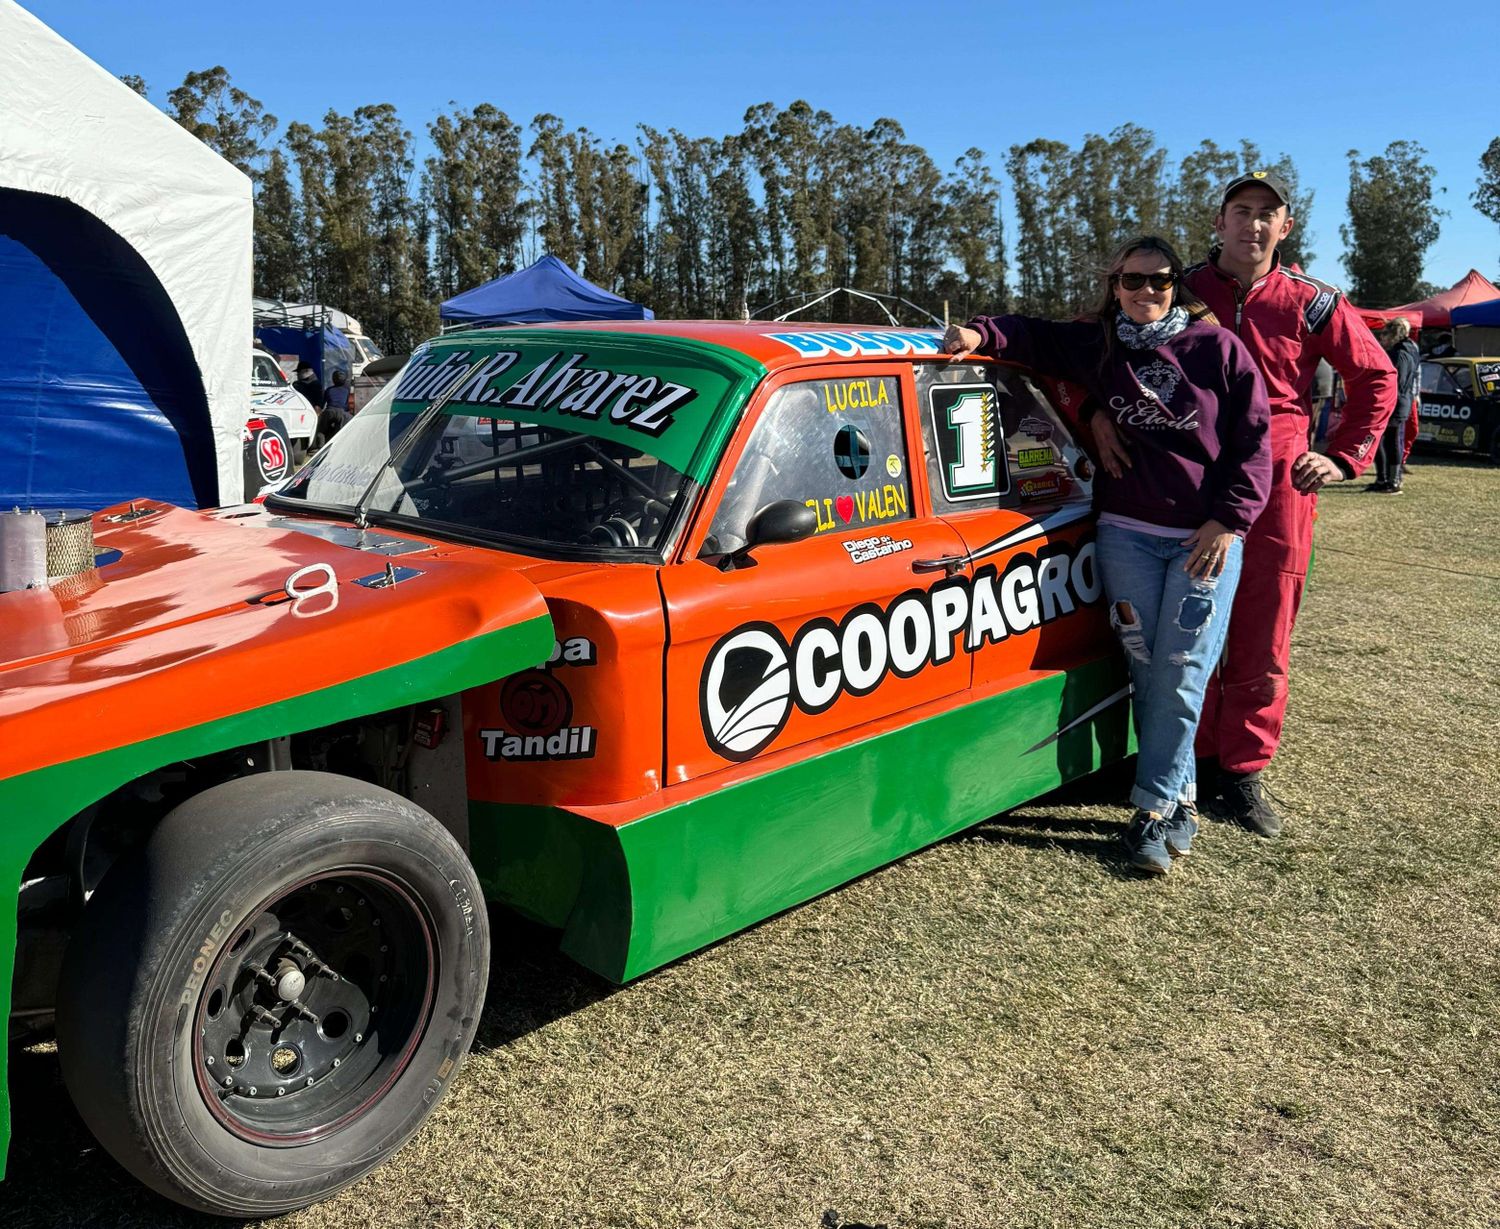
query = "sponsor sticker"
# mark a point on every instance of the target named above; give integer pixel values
(862, 550)
(893, 465)
(868, 343)
(270, 455)
(533, 702)
(1035, 458)
(1038, 487)
(753, 677)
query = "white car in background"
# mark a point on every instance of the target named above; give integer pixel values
(271, 392)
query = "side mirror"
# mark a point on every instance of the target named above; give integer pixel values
(785, 520)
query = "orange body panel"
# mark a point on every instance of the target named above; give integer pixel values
(170, 631)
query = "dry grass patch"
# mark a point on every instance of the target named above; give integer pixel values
(1008, 1029)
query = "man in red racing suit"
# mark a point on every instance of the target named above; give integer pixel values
(1289, 321)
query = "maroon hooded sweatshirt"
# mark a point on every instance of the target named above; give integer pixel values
(1193, 413)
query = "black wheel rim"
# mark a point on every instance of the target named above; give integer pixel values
(314, 1007)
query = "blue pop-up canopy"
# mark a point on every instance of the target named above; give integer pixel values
(1486, 313)
(543, 292)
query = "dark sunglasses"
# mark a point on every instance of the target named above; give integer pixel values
(1134, 281)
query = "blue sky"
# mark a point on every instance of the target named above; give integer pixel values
(1311, 84)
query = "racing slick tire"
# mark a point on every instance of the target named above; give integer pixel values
(265, 1001)
(1495, 442)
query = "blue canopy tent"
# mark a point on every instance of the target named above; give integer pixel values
(1486, 314)
(544, 292)
(325, 349)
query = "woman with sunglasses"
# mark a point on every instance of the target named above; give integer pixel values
(1190, 407)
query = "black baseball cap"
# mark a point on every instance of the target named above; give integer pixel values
(1266, 179)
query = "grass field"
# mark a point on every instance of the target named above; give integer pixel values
(1008, 1029)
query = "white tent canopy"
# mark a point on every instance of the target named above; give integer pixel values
(69, 129)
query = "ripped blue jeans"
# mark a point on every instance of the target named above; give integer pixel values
(1172, 627)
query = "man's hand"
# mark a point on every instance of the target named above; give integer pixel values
(961, 342)
(1312, 471)
(1112, 452)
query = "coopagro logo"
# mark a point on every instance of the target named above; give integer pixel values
(753, 677)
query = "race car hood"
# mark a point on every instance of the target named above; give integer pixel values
(195, 617)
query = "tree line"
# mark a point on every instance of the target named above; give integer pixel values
(709, 226)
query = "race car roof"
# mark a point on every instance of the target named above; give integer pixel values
(772, 343)
(671, 389)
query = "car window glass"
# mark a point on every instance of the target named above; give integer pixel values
(1455, 380)
(835, 445)
(1431, 374)
(993, 440)
(264, 370)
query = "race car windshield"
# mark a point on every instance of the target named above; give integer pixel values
(527, 483)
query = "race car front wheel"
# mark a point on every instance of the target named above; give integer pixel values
(265, 1001)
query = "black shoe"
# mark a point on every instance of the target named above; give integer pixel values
(1393, 489)
(1377, 488)
(1246, 802)
(1210, 778)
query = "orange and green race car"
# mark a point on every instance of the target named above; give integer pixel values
(645, 631)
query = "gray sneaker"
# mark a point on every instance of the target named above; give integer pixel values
(1179, 829)
(1145, 839)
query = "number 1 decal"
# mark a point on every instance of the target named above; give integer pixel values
(971, 457)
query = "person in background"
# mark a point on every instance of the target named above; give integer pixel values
(1288, 321)
(337, 394)
(335, 408)
(1322, 401)
(1390, 457)
(308, 384)
(1175, 500)
(1442, 346)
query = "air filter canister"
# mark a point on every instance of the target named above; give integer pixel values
(23, 550)
(70, 541)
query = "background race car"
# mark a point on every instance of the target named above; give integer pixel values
(271, 392)
(1461, 404)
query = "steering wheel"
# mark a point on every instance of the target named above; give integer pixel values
(613, 531)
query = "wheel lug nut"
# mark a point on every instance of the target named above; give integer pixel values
(281, 1092)
(358, 1037)
(210, 1060)
(337, 1061)
(310, 1080)
(229, 1081)
(252, 1090)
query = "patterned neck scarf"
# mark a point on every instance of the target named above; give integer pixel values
(1149, 336)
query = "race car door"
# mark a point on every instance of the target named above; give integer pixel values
(1005, 472)
(815, 642)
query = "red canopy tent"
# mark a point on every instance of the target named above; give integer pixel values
(1474, 287)
(1377, 318)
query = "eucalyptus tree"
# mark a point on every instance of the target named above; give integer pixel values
(1392, 223)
